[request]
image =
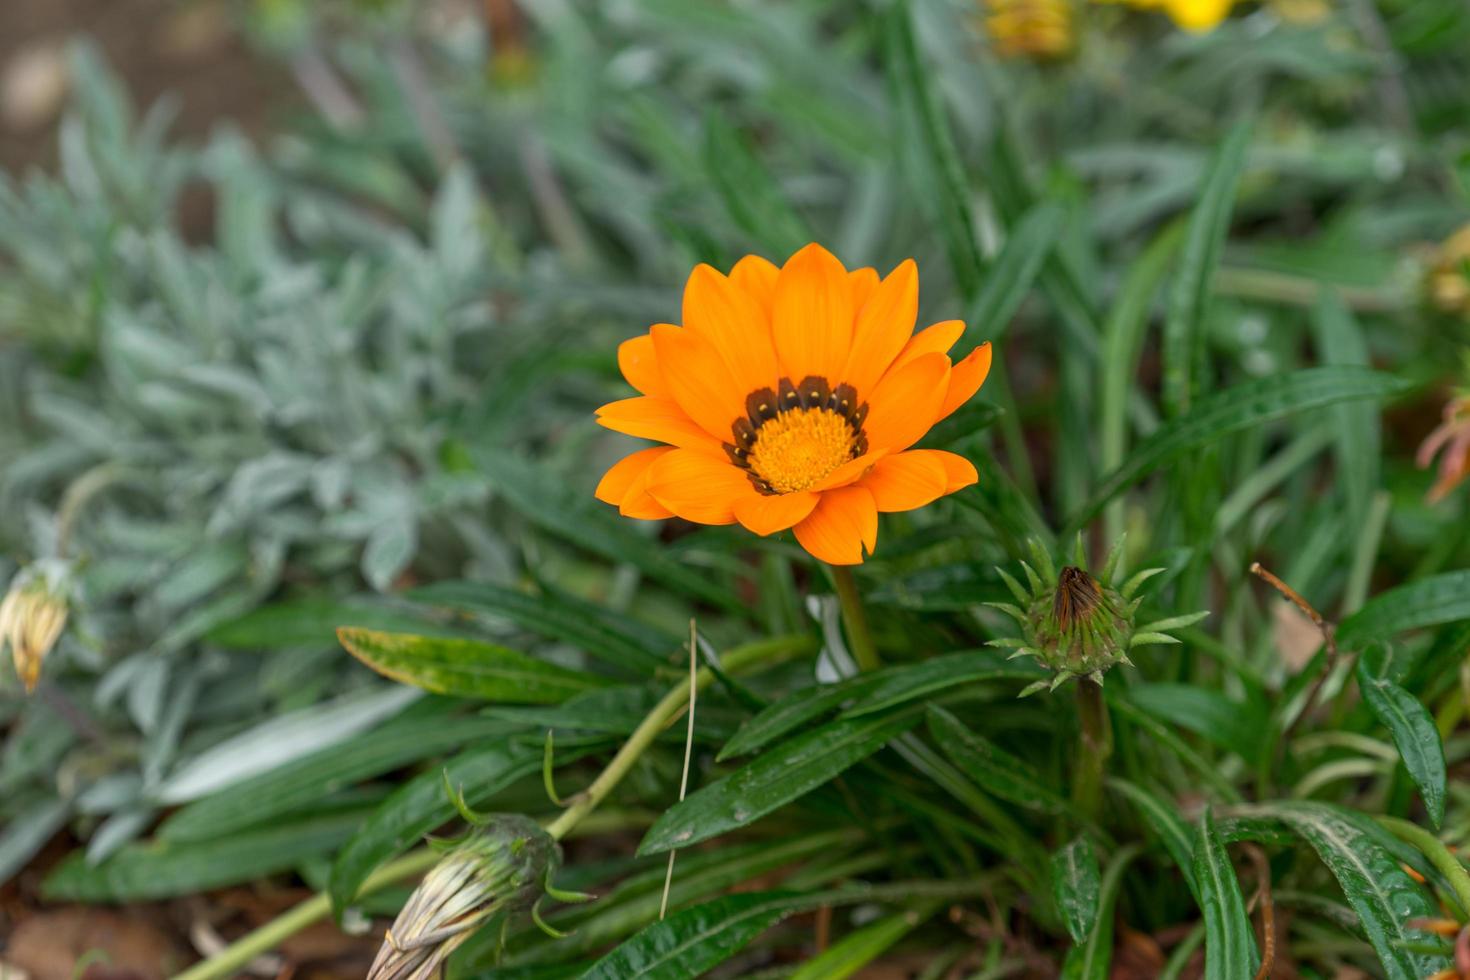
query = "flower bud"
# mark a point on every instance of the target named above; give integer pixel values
(1077, 625)
(500, 866)
(33, 615)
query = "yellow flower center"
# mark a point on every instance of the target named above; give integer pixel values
(797, 450)
(792, 440)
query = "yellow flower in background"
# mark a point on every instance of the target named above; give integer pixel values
(1030, 28)
(1192, 15)
(1449, 280)
(790, 398)
(32, 616)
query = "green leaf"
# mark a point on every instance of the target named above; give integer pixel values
(1014, 270)
(547, 501)
(313, 623)
(163, 869)
(1413, 730)
(420, 732)
(784, 773)
(795, 710)
(1184, 325)
(936, 171)
(1166, 822)
(466, 668)
(1383, 895)
(420, 805)
(1229, 724)
(751, 195)
(899, 685)
(1426, 602)
(857, 949)
(693, 941)
(1092, 959)
(599, 631)
(1230, 946)
(1236, 409)
(1339, 340)
(1075, 881)
(991, 767)
(1165, 738)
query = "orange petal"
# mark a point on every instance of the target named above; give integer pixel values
(843, 521)
(639, 364)
(965, 378)
(959, 472)
(698, 487)
(757, 277)
(811, 320)
(884, 323)
(862, 282)
(906, 481)
(736, 325)
(698, 380)
(766, 513)
(935, 339)
(850, 471)
(625, 472)
(659, 419)
(639, 503)
(904, 404)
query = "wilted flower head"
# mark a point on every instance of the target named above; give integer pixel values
(1453, 437)
(1030, 28)
(1076, 625)
(32, 616)
(500, 866)
(791, 398)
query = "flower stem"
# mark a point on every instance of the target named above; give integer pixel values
(1097, 746)
(233, 958)
(859, 639)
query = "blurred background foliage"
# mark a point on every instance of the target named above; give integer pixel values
(254, 387)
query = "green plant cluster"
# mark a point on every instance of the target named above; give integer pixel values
(354, 411)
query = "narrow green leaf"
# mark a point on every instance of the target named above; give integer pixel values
(619, 640)
(1383, 895)
(1166, 822)
(899, 685)
(313, 623)
(420, 732)
(1229, 724)
(579, 518)
(1413, 730)
(1092, 959)
(28, 831)
(692, 941)
(420, 805)
(1075, 881)
(936, 169)
(858, 949)
(1230, 946)
(991, 767)
(795, 710)
(466, 668)
(1014, 270)
(1426, 602)
(1339, 340)
(1165, 738)
(1184, 326)
(1226, 412)
(784, 773)
(751, 195)
(161, 869)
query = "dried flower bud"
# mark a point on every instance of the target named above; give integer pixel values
(33, 615)
(500, 866)
(1451, 442)
(1076, 625)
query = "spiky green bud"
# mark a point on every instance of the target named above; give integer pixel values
(1077, 625)
(502, 865)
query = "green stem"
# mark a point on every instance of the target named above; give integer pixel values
(1096, 745)
(1433, 848)
(230, 960)
(233, 959)
(662, 715)
(859, 639)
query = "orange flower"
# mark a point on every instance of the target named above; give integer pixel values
(1453, 437)
(789, 399)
